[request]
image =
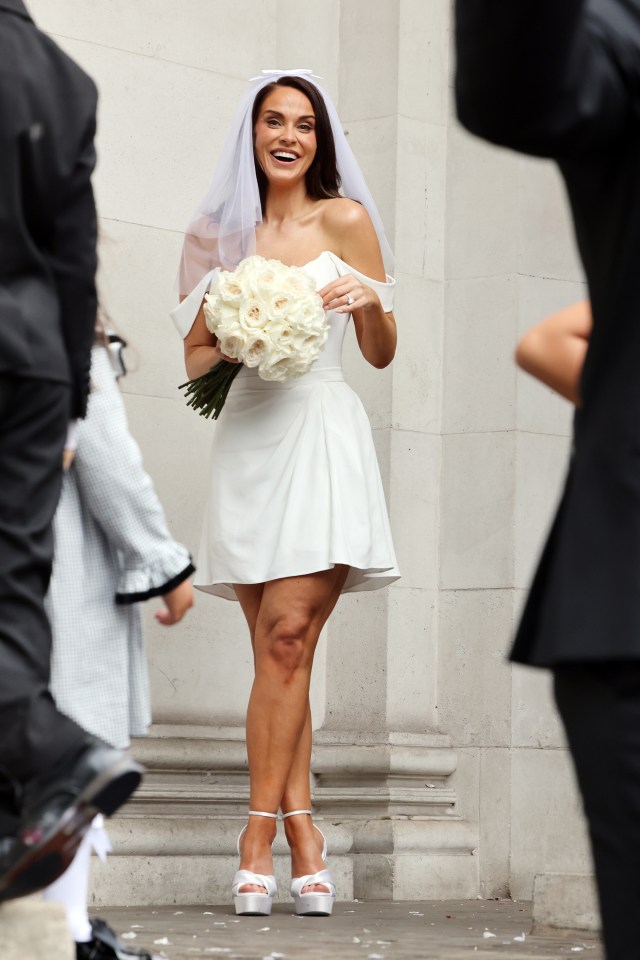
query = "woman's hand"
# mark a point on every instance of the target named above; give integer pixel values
(347, 294)
(375, 329)
(177, 602)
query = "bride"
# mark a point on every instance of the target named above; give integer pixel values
(296, 513)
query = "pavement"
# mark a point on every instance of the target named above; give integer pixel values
(428, 930)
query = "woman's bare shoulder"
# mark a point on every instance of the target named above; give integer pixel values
(341, 212)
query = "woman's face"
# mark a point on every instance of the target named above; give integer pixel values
(285, 135)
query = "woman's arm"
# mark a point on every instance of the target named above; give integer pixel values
(358, 244)
(201, 350)
(554, 350)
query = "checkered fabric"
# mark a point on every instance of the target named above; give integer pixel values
(111, 537)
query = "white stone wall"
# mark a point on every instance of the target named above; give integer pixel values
(472, 453)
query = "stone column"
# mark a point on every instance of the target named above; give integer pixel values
(383, 762)
(510, 261)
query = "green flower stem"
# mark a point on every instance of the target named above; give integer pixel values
(207, 393)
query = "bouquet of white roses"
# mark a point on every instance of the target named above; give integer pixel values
(266, 315)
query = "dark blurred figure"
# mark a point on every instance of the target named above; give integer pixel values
(55, 777)
(561, 79)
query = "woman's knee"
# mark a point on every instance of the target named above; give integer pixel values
(287, 643)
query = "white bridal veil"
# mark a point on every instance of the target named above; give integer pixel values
(222, 231)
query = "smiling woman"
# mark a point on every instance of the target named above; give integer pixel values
(297, 513)
(288, 122)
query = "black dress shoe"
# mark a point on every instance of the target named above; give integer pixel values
(57, 812)
(106, 945)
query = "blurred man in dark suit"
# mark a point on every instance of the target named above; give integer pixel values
(54, 776)
(561, 79)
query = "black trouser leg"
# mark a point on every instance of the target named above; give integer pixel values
(34, 734)
(600, 709)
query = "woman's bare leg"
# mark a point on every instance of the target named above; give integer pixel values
(285, 631)
(303, 839)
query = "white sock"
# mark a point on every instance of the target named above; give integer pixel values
(72, 888)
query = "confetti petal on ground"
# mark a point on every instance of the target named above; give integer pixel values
(487, 934)
(520, 939)
(356, 940)
(162, 940)
(263, 929)
(415, 913)
(178, 913)
(128, 936)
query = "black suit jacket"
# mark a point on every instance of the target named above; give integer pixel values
(561, 79)
(47, 212)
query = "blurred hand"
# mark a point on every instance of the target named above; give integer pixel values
(177, 602)
(67, 458)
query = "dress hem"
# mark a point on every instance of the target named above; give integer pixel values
(358, 579)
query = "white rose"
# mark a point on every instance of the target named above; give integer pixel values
(225, 322)
(263, 281)
(228, 287)
(252, 314)
(254, 351)
(231, 345)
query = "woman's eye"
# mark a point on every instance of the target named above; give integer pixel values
(272, 122)
(306, 127)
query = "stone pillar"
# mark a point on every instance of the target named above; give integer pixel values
(510, 261)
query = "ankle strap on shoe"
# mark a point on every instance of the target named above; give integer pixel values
(261, 813)
(294, 813)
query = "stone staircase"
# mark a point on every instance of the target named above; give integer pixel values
(387, 810)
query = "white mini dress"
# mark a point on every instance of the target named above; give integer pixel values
(295, 483)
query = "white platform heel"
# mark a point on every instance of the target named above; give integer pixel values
(314, 903)
(253, 904)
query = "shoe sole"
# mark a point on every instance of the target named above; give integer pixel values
(252, 905)
(49, 858)
(313, 905)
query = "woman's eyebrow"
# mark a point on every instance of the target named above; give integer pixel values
(276, 113)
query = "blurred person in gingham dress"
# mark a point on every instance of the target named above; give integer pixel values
(112, 550)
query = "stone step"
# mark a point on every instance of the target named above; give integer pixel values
(169, 858)
(161, 880)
